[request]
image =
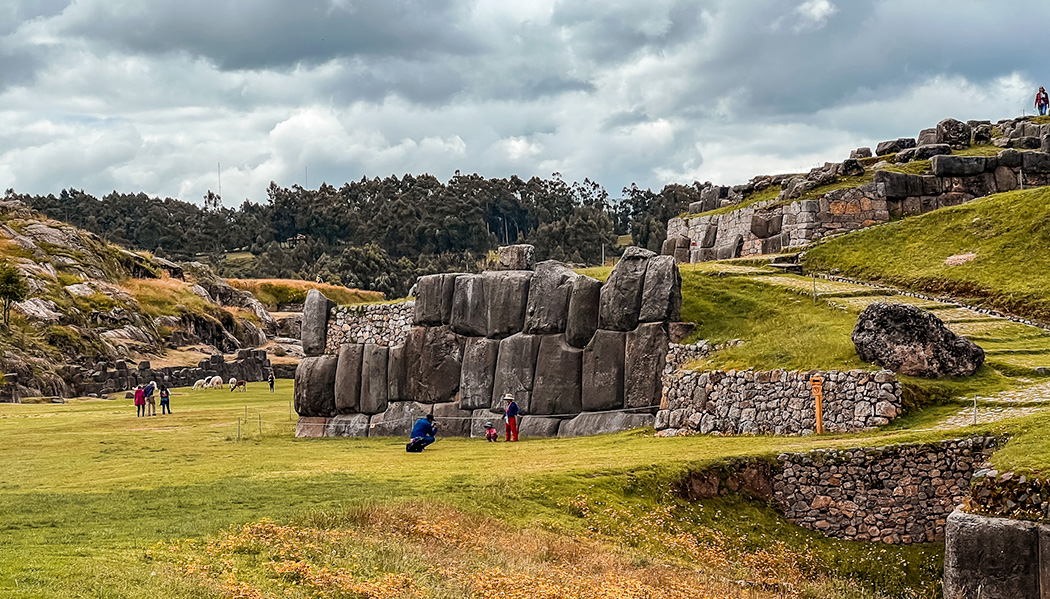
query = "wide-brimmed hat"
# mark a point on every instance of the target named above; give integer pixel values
(508, 397)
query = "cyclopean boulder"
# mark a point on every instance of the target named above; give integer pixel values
(557, 383)
(433, 357)
(603, 366)
(315, 386)
(315, 322)
(348, 378)
(549, 294)
(661, 291)
(506, 294)
(621, 296)
(583, 311)
(479, 368)
(911, 341)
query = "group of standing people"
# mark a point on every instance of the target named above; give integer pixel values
(1042, 101)
(146, 404)
(424, 431)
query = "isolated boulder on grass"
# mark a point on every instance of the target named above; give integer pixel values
(911, 341)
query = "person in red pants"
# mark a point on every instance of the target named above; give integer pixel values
(510, 416)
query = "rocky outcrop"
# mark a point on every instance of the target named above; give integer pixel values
(912, 341)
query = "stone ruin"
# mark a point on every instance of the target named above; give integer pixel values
(579, 357)
(789, 222)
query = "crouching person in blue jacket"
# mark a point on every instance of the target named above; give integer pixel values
(423, 433)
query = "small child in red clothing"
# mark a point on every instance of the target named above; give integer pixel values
(490, 432)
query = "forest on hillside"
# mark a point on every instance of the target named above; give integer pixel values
(380, 233)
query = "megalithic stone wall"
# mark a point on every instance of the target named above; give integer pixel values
(578, 356)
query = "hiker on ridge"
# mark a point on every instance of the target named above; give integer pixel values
(1042, 101)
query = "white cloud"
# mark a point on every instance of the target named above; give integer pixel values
(814, 13)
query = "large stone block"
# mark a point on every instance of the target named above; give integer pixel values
(397, 420)
(515, 370)
(396, 374)
(621, 296)
(516, 257)
(957, 166)
(549, 293)
(451, 420)
(583, 311)
(315, 386)
(373, 379)
(469, 308)
(596, 424)
(538, 426)
(506, 295)
(348, 377)
(645, 355)
(603, 367)
(991, 557)
(954, 133)
(911, 341)
(661, 291)
(311, 426)
(478, 373)
(1036, 162)
(315, 322)
(433, 359)
(434, 294)
(347, 425)
(557, 384)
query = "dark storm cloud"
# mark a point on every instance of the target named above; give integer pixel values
(276, 33)
(608, 34)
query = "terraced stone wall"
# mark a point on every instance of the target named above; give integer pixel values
(776, 402)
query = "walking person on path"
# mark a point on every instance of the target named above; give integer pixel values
(510, 416)
(165, 395)
(140, 402)
(1042, 101)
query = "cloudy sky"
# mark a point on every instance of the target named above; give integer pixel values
(152, 96)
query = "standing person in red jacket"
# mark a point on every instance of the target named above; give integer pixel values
(510, 416)
(1042, 101)
(140, 402)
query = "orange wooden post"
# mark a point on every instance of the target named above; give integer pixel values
(816, 385)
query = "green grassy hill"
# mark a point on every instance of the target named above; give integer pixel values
(1009, 234)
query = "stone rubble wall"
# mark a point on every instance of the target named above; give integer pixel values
(776, 402)
(580, 357)
(897, 494)
(381, 324)
(772, 226)
(679, 355)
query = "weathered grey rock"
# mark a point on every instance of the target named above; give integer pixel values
(433, 357)
(348, 377)
(583, 311)
(315, 386)
(478, 374)
(991, 558)
(621, 296)
(1006, 179)
(909, 340)
(469, 307)
(596, 424)
(315, 322)
(1035, 162)
(516, 257)
(506, 295)
(927, 136)
(679, 331)
(310, 426)
(906, 155)
(548, 307)
(434, 294)
(954, 133)
(1009, 158)
(515, 370)
(451, 420)
(929, 151)
(851, 168)
(347, 425)
(557, 384)
(603, 371)
(982, 135)
(538, 426)
(958, 166)
(661, 291)
(894, 145)
(373, 379)
(1044, 144)
(645, 354)
(860, 153)
(396, 374)
(398, 419)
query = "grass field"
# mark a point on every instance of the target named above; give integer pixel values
(99, 503)
(272, 292)
(1009, 234)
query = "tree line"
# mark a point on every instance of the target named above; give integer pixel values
(379, 233)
